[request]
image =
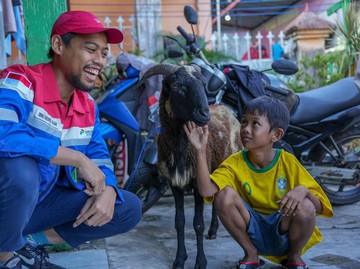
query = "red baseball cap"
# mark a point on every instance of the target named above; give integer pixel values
(82, 22)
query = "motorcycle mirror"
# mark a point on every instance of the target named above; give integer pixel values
(284, 67)
(191, 15)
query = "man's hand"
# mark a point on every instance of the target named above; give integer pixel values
(290, 204)
(92, 175)
(198, 136)
(87, 170)
(98, 209)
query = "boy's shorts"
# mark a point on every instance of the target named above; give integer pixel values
(263, 231)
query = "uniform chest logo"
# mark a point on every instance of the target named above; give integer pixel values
(281, 184)
(87, 133)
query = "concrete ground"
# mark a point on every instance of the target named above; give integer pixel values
(152, 244)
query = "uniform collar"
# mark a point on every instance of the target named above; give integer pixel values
(52, 93)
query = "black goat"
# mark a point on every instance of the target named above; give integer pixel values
(183, 99)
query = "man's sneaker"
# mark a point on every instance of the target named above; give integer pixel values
(13, 263)
(36, 257)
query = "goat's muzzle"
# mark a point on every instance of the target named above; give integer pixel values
(201, 117)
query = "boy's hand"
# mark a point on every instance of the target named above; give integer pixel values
(198, 136)
(290, 204)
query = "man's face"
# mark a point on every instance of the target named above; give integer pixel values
(83, 59)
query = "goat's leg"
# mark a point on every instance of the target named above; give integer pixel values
(214, 224)
(181, 254)
(199, 228)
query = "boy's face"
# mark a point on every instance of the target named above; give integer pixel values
(255, 132)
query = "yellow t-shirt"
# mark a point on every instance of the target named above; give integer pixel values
(261, 188)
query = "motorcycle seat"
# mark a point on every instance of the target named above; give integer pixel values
(315, 105)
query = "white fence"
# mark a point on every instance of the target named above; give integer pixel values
(127, 30)
(237, 46)
(241, 48)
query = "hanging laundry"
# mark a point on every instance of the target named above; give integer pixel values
(9, 17)
(13, 9)
(3, 61)
(19, 35)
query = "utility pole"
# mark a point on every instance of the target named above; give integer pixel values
(218, 25)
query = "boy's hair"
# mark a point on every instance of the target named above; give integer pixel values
(273, 109)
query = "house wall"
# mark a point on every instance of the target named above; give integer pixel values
(113, 9)
(171, 12)
(278, 23)
(173, 15)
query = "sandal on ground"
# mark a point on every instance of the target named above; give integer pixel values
(250, 265)
(295, 266)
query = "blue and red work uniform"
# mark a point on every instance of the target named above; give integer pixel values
(34, 122)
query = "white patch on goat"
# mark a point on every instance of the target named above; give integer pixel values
(228, 115)
(190, 70)
(234, 132)
(220, 134)
(177, 180)
(181, 180)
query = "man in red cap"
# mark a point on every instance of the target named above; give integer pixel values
(57, 182)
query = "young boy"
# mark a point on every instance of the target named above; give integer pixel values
(265, 198)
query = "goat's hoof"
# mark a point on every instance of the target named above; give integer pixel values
(211, 236)
(178, 264)
(200, 265)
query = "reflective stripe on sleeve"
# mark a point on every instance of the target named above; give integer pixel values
(41, 120)
(8, 114)
(105, 162)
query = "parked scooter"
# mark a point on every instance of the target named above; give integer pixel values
(324, 131)
(129, 129)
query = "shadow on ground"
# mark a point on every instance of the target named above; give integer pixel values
(337, 260)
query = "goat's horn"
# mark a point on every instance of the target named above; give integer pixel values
(159, 69)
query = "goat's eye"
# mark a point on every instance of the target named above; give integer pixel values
(182, 91)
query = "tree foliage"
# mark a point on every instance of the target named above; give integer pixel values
(319, 70)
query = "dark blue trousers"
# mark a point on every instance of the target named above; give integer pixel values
(20, 214)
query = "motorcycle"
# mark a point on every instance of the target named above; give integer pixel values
(324, 130)
(130, 132)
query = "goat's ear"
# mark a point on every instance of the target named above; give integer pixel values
(196, 67)
(167, 80)
(198, 74)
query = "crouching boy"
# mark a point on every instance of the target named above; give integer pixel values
(265, 198)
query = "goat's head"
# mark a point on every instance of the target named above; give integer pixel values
(184, 92)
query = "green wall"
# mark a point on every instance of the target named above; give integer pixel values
(39, 16)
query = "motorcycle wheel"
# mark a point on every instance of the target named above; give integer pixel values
(349, 142)
(147, 185)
